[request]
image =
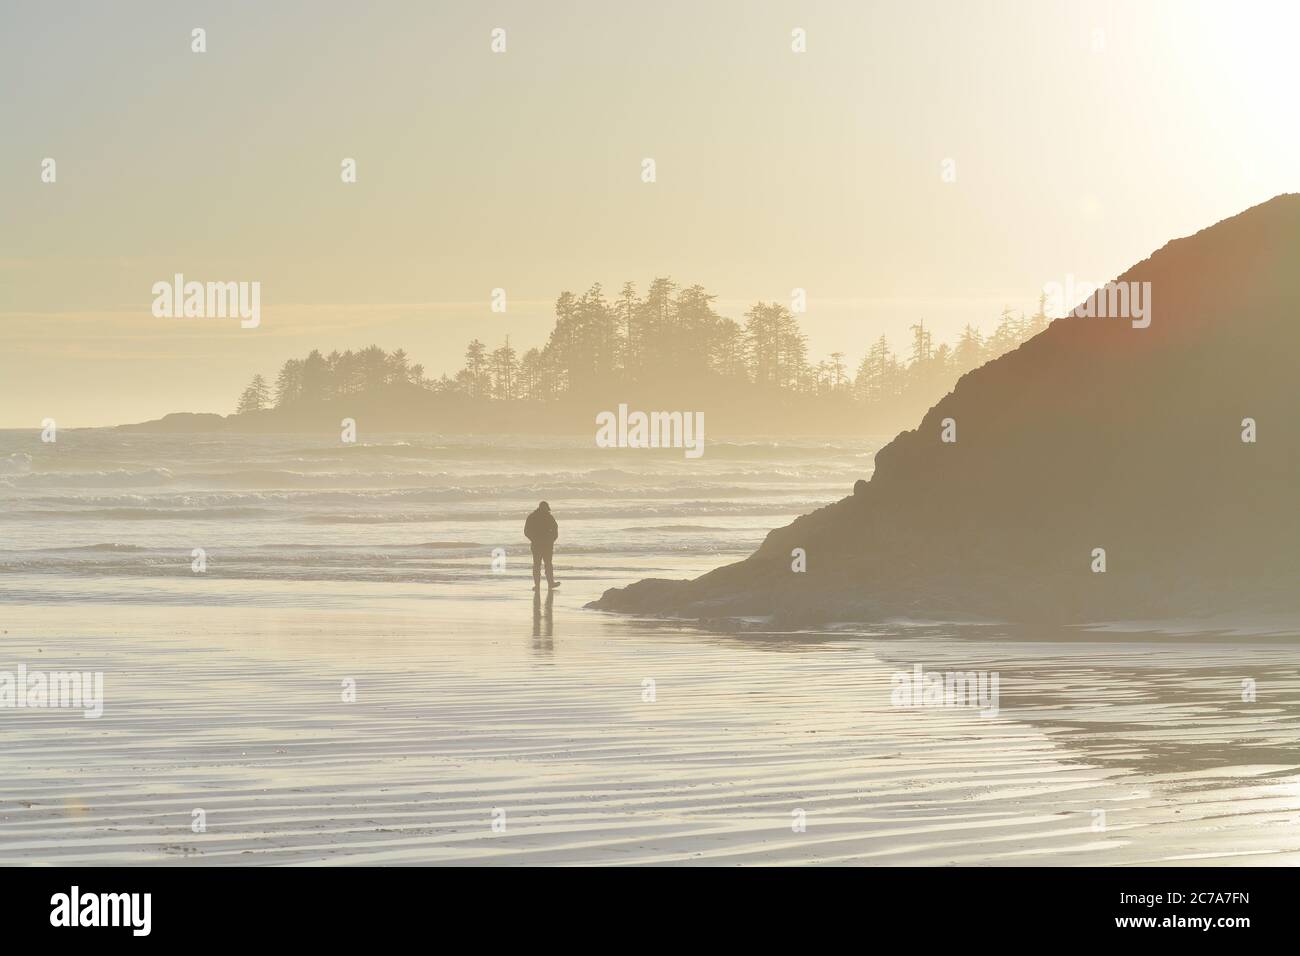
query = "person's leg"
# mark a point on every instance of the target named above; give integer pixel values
(537, 567)
(548, 555)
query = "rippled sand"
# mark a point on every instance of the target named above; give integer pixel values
(468, 705)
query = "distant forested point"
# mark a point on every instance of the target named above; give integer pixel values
(671, 334)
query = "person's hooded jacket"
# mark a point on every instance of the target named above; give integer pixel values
(540, 528)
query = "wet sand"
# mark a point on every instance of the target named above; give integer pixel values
(467, 705)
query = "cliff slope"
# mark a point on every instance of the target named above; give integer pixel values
(1093, 434)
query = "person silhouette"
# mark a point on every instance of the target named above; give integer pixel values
(541, 531)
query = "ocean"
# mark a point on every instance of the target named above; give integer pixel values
(100, 514)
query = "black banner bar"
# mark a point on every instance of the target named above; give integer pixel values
(1220, 907)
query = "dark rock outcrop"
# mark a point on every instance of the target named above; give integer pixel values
(1093, 434)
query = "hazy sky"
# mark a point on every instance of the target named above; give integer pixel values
(1077, 152)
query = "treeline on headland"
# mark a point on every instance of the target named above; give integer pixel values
(668, 343)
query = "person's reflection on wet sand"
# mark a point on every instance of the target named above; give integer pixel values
(543, 621)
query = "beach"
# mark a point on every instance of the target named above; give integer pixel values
(352, 681)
